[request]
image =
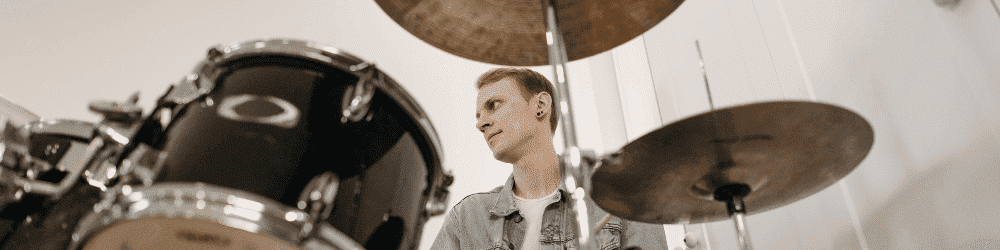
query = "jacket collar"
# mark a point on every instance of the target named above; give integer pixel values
(504, 204)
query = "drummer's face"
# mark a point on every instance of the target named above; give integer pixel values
(505, 119)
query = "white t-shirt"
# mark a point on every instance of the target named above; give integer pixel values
(532, 211)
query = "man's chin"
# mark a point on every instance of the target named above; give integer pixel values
(502, 156)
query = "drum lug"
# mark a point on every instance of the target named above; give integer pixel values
(185, 91)
(438, 203)
(357, 99)
(215, 52)
(317, 199)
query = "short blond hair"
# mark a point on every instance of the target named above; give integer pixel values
(530, 83)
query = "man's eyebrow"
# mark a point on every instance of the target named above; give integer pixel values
(491, 99)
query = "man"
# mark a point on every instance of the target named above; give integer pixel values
(533, 210)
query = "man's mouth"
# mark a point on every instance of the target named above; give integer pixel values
(492, 135)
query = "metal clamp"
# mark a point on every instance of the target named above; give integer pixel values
(577, 165)
(74, 162)
(95, 161)
(144, 163)
(21, 168)
(357, 99)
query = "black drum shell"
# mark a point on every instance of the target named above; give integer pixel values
(385, 162)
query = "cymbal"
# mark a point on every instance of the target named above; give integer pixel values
(15, 114)
(512, 32)
(784, 151)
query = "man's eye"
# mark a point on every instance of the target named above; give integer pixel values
(494, 104)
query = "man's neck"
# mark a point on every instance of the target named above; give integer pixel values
(537, 173)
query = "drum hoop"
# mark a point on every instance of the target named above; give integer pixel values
(209, 69)
(229, 207)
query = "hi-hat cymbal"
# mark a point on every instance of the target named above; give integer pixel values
(15, 114)
(512, 32)
(784, 151)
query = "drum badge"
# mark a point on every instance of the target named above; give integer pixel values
(267, 110)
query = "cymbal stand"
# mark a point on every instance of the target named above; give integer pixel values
(575, 173)
(730, 193)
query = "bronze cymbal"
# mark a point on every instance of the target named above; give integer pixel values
(15, 114)
(784, 151)
(512, 32)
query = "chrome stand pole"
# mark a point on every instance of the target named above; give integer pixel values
(558, 58)
(733, 194)
(575, 173)
(737, 211)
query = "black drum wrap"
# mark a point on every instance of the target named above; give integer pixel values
(384, 162)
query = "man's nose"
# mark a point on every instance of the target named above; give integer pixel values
(482, 125)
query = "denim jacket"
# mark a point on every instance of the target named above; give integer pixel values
(491, 220)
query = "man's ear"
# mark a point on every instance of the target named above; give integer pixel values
(544, 102)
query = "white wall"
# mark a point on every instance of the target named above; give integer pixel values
(57, 56)
(925, 77)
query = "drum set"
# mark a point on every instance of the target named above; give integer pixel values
(271, 144)
(291, 144)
